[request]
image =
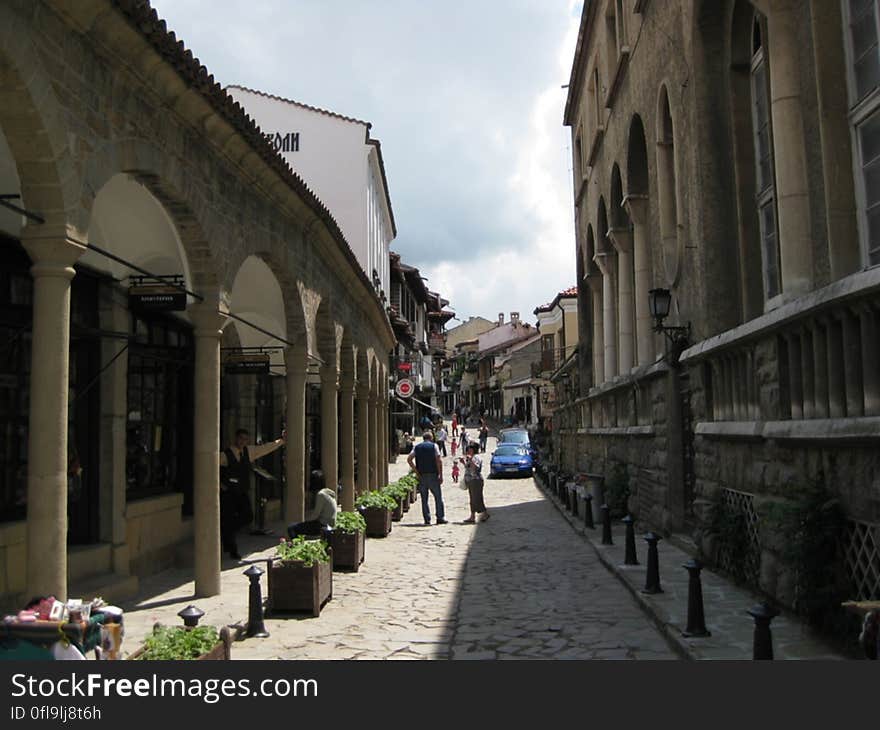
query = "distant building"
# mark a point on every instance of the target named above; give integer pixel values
(336, 157)
(560, 335)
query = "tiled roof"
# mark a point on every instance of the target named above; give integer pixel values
(311, 108)
(144, 19)
(570, 293)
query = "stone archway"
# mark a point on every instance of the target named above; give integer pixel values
(620, 235)
(636, 203)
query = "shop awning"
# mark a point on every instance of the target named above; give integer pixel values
(422, 403)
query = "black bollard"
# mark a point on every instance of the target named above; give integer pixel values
(255, 625)
(191, 616)
(606, 525)
(652, 579)
(629, 553)
(762, 645)
(588, 511)
(696, 625)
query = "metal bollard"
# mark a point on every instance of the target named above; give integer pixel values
(696, 622)
(191, 616)
(588, 511)
(762, 645)
(606, 525)
(652, 579)
(255, 625)
(629, 553)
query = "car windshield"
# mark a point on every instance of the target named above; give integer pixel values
(510, 450)
(514, 437)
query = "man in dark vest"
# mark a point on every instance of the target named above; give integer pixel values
(235, 486)
(425, 460)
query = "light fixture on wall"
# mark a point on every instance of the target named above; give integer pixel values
(660, 302)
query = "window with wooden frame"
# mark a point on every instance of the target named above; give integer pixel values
(861, 19)
(764, 171)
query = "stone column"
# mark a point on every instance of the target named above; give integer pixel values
(384, 449)
(296, 361)
(594, 281)
(605, 262)
(206, 446)
(789, 153)
(637, 209)
(870, 359)
(622, 241)
(820, 371)
(795, 385)
(363, 411)
(852, 364)
(808, 378)
(374, 442)
(835, 369)
(53, 255)
(329, 425)
(346, 438)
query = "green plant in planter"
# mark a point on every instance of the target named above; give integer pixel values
(308, 552)
(350, 522)
(811, 527)
(397, 491)
(179, 643)
(375, 499)
(410, 480)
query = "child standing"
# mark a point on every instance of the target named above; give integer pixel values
(454, 445)
(455, 471)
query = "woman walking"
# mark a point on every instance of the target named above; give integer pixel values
(473, 480)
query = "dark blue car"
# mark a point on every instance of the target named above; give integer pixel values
(513, 459)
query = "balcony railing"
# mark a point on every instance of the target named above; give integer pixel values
(548, 362)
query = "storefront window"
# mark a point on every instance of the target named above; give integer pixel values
(160, 409)
(16, 290)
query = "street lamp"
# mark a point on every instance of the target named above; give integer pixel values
(659, 303)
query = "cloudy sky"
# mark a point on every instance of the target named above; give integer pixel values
(466, 98)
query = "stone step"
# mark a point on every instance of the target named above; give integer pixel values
(113, 588)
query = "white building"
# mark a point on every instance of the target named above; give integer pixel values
(343, 166)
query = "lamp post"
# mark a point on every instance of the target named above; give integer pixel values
(659, 303)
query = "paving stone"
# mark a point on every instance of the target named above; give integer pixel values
(524, 585)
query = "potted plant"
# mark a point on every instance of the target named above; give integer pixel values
(347, 540)
(400, 494)
(411, 481)
(376, 507)
(183, 643)
(300, 576)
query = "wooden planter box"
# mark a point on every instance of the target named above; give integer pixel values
(397, 512)
(405, 502)
(348, 549)
(413, 494)
(294, 587)
(378, 521)
(222, 650)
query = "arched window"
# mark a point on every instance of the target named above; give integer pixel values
(763, 140)
(863, 71)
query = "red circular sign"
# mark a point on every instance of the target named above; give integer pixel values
(405, 388)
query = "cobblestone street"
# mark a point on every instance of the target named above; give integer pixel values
(522, 585)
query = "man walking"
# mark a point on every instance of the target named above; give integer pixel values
(441, 439)
(425, 460)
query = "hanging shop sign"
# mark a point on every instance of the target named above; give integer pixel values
(246, 363)
(165, 294)
(404, 387)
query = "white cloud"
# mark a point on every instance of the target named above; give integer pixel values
(467, 103)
